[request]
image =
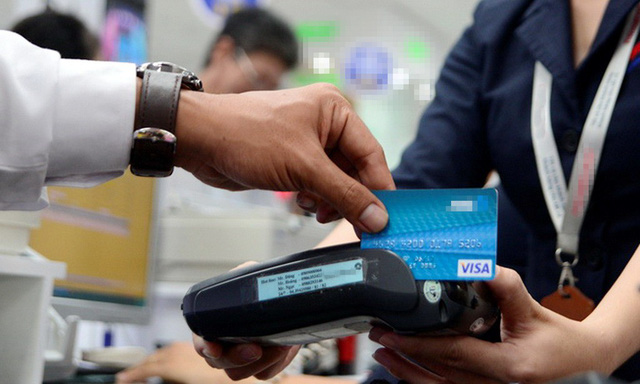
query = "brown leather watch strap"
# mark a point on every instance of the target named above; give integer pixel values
(159, 98)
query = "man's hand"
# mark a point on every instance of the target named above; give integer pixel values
(305, 139)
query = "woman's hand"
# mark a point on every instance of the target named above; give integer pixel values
(537, 346)
(176, 363)
(244, 360)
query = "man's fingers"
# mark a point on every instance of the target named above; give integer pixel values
(308, 201)
(326, 213)
(358, 145)
(351, 147)
(352, 199)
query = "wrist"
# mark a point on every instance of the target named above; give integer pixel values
(189, 122)
(154, 139)
(606, 343)
(200, 127)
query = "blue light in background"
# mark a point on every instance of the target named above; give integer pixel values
(368, 67)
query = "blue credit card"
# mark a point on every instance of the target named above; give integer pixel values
(442, 234)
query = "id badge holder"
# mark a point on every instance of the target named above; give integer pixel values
(571, 303)
(568, 300)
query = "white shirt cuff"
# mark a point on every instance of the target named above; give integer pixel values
(93, 122)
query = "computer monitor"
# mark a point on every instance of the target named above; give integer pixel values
(106, 237)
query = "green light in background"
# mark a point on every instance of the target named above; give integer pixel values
(302, 79)
(417, 49)
(317, 31)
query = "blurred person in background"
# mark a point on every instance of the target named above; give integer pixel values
(252, 52)
(61, 32)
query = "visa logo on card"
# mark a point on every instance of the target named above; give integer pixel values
(442, 234)
(475, 268)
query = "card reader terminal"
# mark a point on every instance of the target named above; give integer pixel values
(329, 293)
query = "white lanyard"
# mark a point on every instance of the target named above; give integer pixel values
(567, 209)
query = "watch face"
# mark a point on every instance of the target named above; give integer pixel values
(189, 79)
(152, 152)
(163, 66)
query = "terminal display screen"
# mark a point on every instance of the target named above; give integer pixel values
(310, 279)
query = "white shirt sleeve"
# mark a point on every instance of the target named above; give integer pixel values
(62, 122)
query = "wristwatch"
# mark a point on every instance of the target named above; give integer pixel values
(154, 140)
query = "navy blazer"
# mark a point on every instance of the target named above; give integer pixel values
(480, 121)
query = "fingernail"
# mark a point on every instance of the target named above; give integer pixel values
(374, 218)
(388, 340)
(375, 334)
(324, 217)
(208, 353)
(381, 357)
(248, 354)
(305, 202)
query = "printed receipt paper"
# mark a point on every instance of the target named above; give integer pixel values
(442, 234)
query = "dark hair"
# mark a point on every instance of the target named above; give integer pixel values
(255, 29)
(63, 33)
